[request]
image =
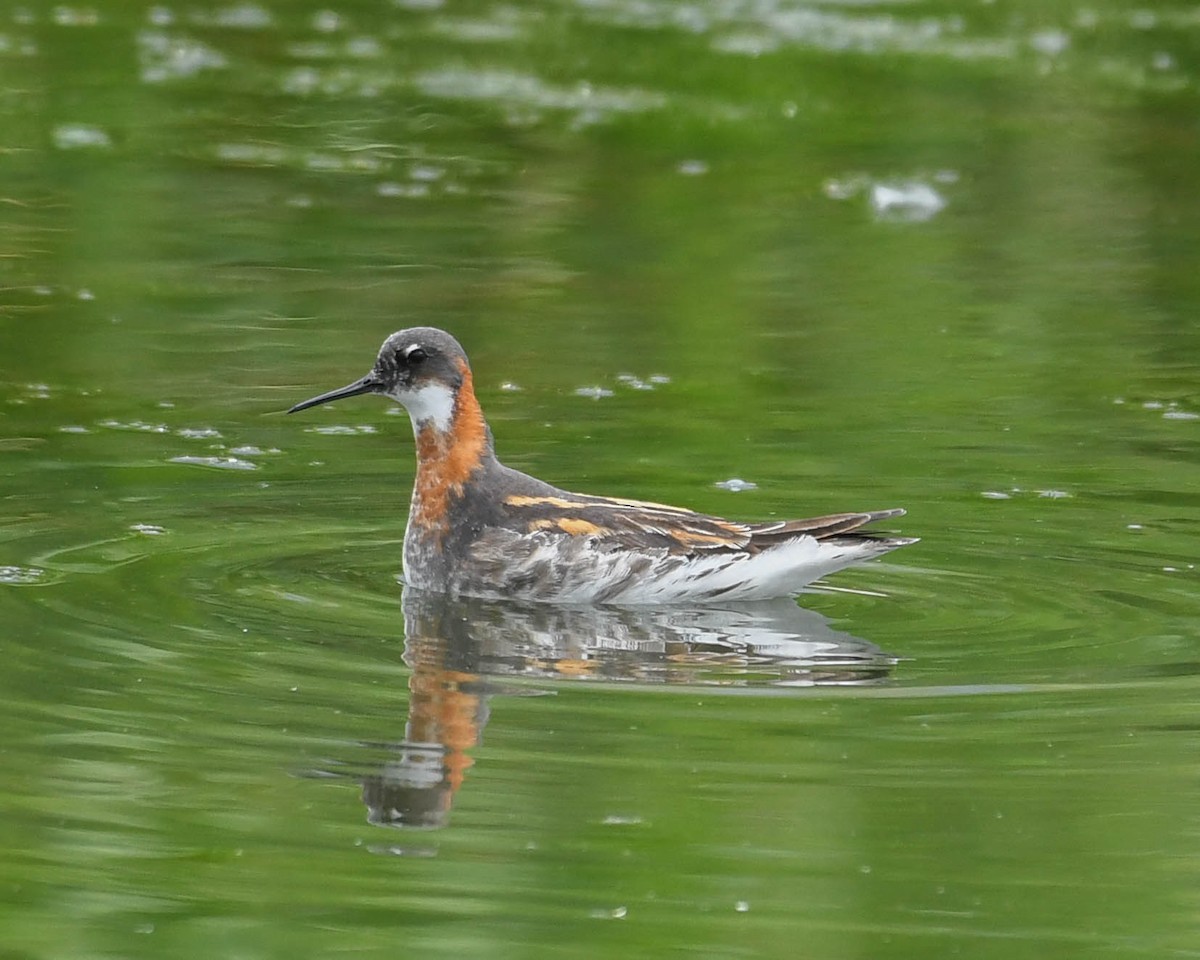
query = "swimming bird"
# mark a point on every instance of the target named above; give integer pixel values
(478, 528)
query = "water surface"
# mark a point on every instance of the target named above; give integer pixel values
(856, 255)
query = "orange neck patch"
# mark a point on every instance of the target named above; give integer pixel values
(447, 458)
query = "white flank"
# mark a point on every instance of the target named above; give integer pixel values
(589, 576)
(431, 403)
(778, 572)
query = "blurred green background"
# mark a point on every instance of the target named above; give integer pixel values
(866, 254)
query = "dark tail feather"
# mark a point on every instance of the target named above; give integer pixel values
(836, 525)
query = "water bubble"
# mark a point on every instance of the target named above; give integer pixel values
(736, 485)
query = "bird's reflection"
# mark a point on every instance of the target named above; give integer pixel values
(458, 648)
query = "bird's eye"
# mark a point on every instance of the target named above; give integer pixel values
(415, 355)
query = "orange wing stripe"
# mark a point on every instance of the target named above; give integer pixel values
(516, 500)
(570, 525)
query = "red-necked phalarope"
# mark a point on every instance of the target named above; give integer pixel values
(479, 528)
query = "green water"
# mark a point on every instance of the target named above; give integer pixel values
(220, 728)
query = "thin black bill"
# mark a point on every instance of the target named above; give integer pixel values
(367, 384)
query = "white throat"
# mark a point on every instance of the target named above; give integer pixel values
(432, 403)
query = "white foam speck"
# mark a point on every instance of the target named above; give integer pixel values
(20, 575)
(364, 48)
(410, 191)
(340, 430)
(148, 529)
(995, 495)
(616, 913)
(593, 393)
(1162, 61)
(243, 16)
(843, 188)
(327, 21)
(76, 136)
(1050, 42)
(198, 433)
(426, 172)
(66, 16)
(634, 383)
(221, 463)
(138, 425)
(164, 57)
(909, 201)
